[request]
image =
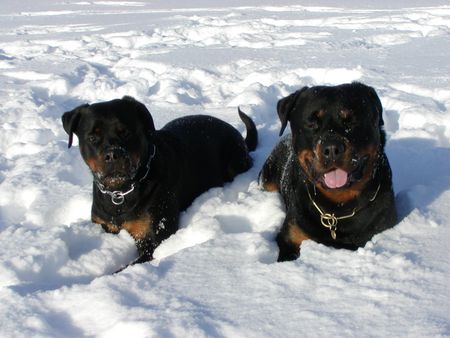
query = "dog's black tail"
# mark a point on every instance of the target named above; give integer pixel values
(252, 134)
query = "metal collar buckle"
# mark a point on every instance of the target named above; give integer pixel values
(117, 196)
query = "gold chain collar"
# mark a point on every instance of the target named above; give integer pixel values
(330, 221)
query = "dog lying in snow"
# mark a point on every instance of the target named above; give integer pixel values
(144, 177)
(331, 172)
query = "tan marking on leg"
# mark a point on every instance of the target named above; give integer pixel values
(271, 187)
(140, 227)
(108, 225)
(296, 235)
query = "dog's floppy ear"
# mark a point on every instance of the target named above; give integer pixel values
(375, 102)
(70, 121)
(143, 112)
(286, 105)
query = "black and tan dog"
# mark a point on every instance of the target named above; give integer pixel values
(144, 177)
(331, 171)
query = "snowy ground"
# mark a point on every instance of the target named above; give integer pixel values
(217, 276)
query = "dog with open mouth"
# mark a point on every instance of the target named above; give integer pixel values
(331, 171)
(144, 178)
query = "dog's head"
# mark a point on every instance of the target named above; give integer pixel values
(114, 138)
(337, 135)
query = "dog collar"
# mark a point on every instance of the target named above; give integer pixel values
(117, 196)
(330, 220)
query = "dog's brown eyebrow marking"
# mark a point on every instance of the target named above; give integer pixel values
(345, 113)
(319, 114)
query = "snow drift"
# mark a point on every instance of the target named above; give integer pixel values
(218, 276)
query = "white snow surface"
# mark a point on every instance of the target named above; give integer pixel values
(218, 275)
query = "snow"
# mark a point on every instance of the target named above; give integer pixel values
(218, 276)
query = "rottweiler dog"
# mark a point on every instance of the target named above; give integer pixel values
(331, 171)
(143, 178)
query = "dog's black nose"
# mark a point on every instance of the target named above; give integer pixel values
(114, 154)
(333, 149)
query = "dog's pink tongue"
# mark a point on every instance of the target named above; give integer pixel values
(336, 178)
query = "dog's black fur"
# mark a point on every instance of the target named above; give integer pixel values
(334, 129)
(168, 168)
